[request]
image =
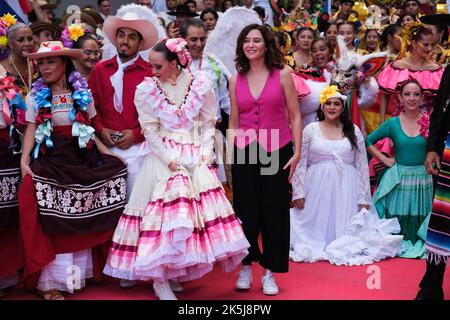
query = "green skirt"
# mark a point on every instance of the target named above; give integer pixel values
(406, 193)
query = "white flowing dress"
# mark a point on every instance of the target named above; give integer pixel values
(334, 180)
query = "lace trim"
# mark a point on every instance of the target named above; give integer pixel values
(182, 116)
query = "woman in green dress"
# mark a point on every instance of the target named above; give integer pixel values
(405, 191)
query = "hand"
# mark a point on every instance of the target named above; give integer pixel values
(126, 141)
(105, 136)
(172, 31)
(25, 167)
(299, 203)
(432, 159)
(292, 163)
(363, 206)
(206, 159)
(174, 165)
(389, 162)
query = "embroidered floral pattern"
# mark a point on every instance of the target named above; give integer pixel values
(71, 201)
(9, 183)
(62, 102)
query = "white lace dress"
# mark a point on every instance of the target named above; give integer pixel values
(334, 180)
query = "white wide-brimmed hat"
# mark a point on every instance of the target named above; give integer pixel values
(54, 49)
(132, 21)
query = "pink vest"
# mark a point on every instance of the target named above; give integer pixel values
(263, 119)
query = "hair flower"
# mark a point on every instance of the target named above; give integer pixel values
(9, 19)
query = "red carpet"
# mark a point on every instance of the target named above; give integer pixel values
(399, 280)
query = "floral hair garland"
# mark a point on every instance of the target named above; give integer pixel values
(81, 123)
(178, 46)
(71, 34)
(6, 21)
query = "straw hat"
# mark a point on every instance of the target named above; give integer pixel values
(131, 20)
(39, 26)
(53, 49)
(84, 18)
(43, 4)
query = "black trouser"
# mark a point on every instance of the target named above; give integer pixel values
(431, 284)
(223, 125)
(261, 201)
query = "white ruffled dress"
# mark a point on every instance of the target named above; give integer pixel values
(334, 180)
(176, 225)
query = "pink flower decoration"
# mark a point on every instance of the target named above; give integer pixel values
(178, 46)
(55, 48)
(424, 123)
(3, 28)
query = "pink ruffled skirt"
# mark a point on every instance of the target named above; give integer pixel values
(177, 225)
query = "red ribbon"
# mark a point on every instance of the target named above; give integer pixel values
(355, 110)
(44, 114)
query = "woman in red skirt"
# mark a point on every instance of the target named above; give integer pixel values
(74, 189)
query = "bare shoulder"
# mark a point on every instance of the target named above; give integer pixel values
(285, 75)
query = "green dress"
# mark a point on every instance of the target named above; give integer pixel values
(406, 190)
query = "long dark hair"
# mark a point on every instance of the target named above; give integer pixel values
(347, 125)
(273, 57)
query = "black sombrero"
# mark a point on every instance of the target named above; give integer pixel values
(436, 19)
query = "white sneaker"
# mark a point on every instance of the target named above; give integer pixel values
(163, 290)
(245, 279)
(269, 285)
(175, 286)
(126, 284)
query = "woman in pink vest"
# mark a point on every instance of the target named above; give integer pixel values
(265, 125)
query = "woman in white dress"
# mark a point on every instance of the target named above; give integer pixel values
(178, 222)
(332, 219)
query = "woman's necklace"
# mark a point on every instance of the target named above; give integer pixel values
(26, 84)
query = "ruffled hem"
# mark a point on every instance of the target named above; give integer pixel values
(175, 117)
(367, 240)
(301, 87)
(187, 226)
(62, 286)
(389, 78)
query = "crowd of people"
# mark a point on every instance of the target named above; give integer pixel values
(132, 146)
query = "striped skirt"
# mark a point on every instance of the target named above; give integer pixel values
(406, 193)
(438, 235)
(176, 225)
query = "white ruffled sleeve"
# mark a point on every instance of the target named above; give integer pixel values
(298, 188)
(368, 91)
(362, 169)
(150, 123)
(208, 120)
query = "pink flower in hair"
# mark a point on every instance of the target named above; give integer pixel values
(178, 46)
(3, 28)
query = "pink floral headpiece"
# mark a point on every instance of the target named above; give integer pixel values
(178, 46)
